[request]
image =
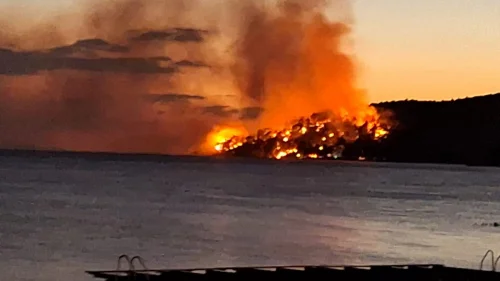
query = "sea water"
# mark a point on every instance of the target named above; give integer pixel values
(62, 216)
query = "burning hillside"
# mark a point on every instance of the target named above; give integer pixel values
(322, 135)
(292, 63)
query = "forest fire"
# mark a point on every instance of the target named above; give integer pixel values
(291, 63)
(322, 135)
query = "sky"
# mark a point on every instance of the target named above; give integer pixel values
(406, 49)
(428, 49)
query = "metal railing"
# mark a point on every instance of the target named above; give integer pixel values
(494, 262)
(131, 267)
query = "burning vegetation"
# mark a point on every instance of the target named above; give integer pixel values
(322, 135)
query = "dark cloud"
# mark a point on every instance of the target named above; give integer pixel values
(88, 57)
(174, 34)
(88, 45)
(188, 63)
(223, 111)
(220, 111)
(249, 113)
(26, 63)
(172, 97)
(124, 65)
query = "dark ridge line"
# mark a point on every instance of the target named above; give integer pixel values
(97, 155)
(171, 158)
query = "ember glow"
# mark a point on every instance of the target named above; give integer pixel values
(322, 135)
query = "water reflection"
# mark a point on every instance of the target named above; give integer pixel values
(55, 223)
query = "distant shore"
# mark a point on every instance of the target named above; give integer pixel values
(168, 158)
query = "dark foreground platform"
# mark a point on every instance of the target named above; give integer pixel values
(415, 272)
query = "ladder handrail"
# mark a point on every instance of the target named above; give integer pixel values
(127, 258)
(492, 260)
(496, 262)
(141, 262)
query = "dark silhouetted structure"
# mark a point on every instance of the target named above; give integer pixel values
(340, 273)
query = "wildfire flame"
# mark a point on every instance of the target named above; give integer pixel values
(322, 135)
(217, 140)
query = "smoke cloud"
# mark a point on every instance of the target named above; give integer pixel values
(156, 76)
(291, 62)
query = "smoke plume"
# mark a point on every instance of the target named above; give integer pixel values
(291, 63)
(156, 76)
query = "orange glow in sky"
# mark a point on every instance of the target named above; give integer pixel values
(406, 49)
(428, 49)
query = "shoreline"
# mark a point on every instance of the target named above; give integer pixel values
(101, 156)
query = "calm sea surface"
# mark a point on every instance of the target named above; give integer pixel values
(60, 217)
